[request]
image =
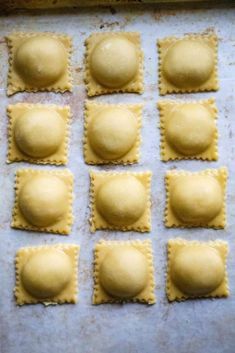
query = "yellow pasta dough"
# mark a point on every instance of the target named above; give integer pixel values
(113, 63)
(46, 274)
(38, 133)
(112, 133)
(48, 137)
(188, 64)
(114, 208)
(43, 201)
(196, 199)
(120, 201)
(123, 272)
(188, 130)
(180, 68)
(112, 139)
(39, 61)
(196, 269)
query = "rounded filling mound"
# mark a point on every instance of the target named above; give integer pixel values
(112, 132)
(124, 272)
(39, 132)
(190, 129)
(196, 199)
(114, 62)
(43, 200)
(40, 61)
(197, 270)
(188, 63)
(47, 273)
(121, 201)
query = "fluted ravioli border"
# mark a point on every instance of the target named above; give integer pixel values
(93, 87)
(147, 295)
(69, 293)
(62, 227)
(171, 220)
(15, 83)
(168, 153)
(59, 157)
(165, 87)
(173, 292)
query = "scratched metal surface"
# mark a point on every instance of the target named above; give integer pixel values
(190, 327)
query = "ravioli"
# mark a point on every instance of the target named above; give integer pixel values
(188, 64)
(188, 130)
(43, 201)
(196, 199)
(39, 62)
(120, 201)
(47, 274)
(123, 272)
(38, 133)
(112, 133)
(113, 63)
(196, 269)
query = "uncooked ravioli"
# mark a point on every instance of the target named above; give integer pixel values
(112, 132)
(188, 63)
(196, 199)
(40, 61)
(39, 132)
(114, 61)
(121, 200)
(190, 128)
(197, 269)
(124, 272)
(43, 200)
(46, 273)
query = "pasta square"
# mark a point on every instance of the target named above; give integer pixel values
(188, 130)
(47, 274)
(196, 269)
(39, 62)
(38, 133)
(112, 133)
(43, 201)
(188, 64)
(120, 201)
(114, 63)
(131, 266)
(196, 199)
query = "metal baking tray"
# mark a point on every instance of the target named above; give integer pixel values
(12, 5)
(194, 326)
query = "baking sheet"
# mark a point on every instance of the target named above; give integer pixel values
(46, 4)
(194, 326)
